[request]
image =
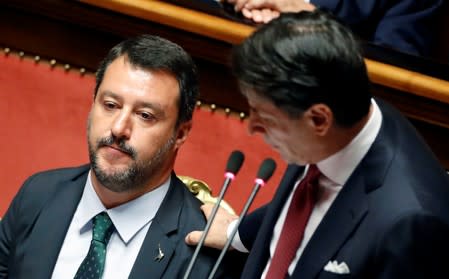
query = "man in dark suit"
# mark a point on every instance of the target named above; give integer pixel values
(378, 205)
(145, 93)
(406, 25)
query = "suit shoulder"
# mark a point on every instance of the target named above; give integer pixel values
(46, 181)
(191, 202)
(191, 210)
(38, 190)
(56, 175)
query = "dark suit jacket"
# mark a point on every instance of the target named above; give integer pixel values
(390, 220)
(35, 225)
(406, 25)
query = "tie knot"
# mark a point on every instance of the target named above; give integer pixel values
(313, 173)
(102, 228)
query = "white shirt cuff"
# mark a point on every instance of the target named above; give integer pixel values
(236, 242)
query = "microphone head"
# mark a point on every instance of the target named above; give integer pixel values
(235, 162)
(266, 170)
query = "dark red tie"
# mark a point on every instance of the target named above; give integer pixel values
(295, 223)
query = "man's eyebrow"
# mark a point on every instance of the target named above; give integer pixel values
(111, 94)
(154, 106)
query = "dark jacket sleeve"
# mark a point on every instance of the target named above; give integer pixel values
(249, 227)
(416, 246)
(10, 228)
(7, 238)
(406, 25)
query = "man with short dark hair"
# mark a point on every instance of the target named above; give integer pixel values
(363, 196)
(126, 214)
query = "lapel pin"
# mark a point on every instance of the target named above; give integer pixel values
(160, 256)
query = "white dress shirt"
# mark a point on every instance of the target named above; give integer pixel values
(335, 171)
(131, 220)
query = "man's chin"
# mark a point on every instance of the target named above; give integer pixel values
(115, 170)
(286, 158)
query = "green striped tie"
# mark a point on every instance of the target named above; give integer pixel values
(93, 264)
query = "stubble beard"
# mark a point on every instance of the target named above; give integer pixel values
(137, 174)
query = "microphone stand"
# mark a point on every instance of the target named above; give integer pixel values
(265, 172)
(259, 182)
(229, 177)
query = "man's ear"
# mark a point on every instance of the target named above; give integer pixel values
(320, 117)
(182, 133)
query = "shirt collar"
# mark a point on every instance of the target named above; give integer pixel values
(339, 166)
(127, 218)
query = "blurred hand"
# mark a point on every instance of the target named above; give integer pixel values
(216, 238)
(265, 10)
(260, 15)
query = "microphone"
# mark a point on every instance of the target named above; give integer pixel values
(265, 172)
(233, 165)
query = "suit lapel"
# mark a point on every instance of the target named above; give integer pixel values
(51, 224)
(342, 218)
(160, 235)
(150, 261)
(351, 204)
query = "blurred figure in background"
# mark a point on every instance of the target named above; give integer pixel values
(409, 26)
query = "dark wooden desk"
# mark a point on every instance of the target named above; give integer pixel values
(81, 32)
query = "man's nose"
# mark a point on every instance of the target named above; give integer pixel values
(122, 125)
